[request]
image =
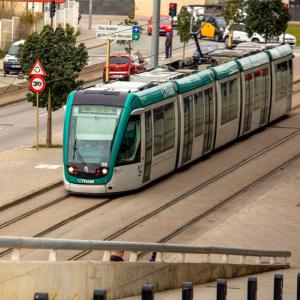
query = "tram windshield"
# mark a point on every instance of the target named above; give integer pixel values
(92, 129)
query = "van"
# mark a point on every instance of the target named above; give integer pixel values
(10, 61)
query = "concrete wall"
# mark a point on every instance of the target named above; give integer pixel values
(77, 280)
(5, 33)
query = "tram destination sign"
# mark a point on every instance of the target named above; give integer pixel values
(114, 32)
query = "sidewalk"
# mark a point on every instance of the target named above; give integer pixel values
(28, 170)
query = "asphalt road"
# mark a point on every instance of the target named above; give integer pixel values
(18, 125)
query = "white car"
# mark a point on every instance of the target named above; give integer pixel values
(10, 61)
(240, 35)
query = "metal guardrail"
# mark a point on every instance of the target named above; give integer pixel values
(18, 243)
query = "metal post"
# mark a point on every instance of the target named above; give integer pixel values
(278, 285)
(221, 289)
(99, 294)
(41, 296)
(107, 57)
(148, 292)
(90, 14)
(187, 291)
(172, 24)
(298, 286)
(155, 34)
(37, 121)
(252, 288)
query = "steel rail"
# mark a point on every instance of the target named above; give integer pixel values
(188, 193)
(227, 200)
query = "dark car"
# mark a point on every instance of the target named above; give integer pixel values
(120, 66)
(10, 61)
(164, 25)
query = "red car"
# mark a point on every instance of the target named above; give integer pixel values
(164, 25)
(119, 66)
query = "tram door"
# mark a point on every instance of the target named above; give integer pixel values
(188, 129)
(148, 146)
(209, 121)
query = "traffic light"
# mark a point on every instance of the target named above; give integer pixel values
(52, 9)
(172, 9)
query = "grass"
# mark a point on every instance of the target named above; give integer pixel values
(294, 29)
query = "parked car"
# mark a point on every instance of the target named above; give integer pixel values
(164, 25)
(10, 61)
(212, 27)
(119, 65)
(240, 35)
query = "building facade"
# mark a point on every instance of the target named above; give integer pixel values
(295, 9)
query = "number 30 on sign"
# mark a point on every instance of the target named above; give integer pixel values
(37, 84)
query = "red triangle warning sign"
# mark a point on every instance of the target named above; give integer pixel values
(37, 69)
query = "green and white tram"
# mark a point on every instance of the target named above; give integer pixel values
(121, 136)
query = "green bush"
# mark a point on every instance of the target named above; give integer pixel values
(2, 53)
(294, 29)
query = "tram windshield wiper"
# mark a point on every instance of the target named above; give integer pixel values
(77, 152)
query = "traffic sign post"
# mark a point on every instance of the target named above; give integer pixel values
(37, 84)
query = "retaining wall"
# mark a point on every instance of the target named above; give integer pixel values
(77, 280)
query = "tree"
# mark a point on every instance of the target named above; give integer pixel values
(233, 14)
(266, 17)
(62, 61)
(183, 27)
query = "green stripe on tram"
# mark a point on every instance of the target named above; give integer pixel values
(226, 70)
(279, 52)
(253, 61)
(194, 81)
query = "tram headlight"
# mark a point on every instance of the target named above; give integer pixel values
(100, 172)
(72, 170)
(104, 171)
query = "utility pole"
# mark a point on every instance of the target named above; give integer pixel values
(90, 13)
(155, 34)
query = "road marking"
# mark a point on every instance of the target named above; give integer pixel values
(43, 115)
(48, 167)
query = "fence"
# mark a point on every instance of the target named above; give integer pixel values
(18, 243)
(147, 292)
(68, 15)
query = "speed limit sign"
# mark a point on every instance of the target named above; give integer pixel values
(37, 84)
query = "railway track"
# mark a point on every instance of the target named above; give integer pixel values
(212, 209)
(151, 214)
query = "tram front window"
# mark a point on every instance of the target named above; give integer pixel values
(92, 129)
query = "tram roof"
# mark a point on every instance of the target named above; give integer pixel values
(226, 70)
(253, 61)
(156, 94)
(279, 52)
(194, 81)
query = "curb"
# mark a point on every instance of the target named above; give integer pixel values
(34, 193)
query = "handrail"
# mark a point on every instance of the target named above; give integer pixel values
(67, 244)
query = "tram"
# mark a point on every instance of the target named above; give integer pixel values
(120, 137)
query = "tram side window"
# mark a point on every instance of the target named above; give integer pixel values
(169, 126)
(130, 150)
(199, 113)
(257, 89)
(265, 84)
(164, 128)
(229, 100)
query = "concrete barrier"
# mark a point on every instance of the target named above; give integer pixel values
(77, 280)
